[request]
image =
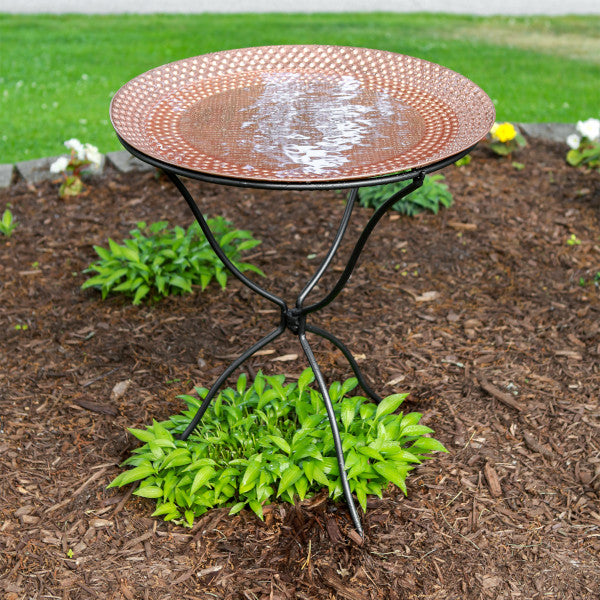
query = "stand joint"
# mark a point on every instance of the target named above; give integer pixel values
(295, 320)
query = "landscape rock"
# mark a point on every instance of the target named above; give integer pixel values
(556, 132)
(38, 170)
(125, 162)
(6, 175)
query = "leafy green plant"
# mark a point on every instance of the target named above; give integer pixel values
(587, 154)
(272, 440)
(166, 261)
(430, 196)
(83, 157)
(7, 224)
(464, 161)
(585, 145)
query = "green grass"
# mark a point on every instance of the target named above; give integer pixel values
(58, 73)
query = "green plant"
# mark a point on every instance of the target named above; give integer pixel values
(585, 145)
(464, 161)
(83, 157)
(161, 261)
(7, 224)
(430, 196)
(594, 280)
(573, 240)
(273, 440)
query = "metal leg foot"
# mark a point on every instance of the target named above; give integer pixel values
(335, 431)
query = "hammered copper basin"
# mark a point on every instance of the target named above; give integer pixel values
(301, 113)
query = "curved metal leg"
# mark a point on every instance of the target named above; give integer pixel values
(335, 431)
(416, 183)
(332, 250)
(346, 352)
(217, 249)
(228, 371)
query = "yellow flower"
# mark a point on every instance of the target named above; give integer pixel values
(503, 132)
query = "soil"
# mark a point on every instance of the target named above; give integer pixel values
(483, 313)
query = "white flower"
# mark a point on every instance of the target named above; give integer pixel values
(573, 141)
(77, 146)
(59, 165)
(92, 154)
(589, 129)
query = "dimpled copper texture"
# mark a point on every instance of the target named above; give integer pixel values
(301, 113)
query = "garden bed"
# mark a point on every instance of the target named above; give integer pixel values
(484, 313)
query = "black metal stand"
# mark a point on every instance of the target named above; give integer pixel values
(294, 318)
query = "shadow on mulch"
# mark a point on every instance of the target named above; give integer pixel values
(483, 313)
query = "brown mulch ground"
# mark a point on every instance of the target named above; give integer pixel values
(478, 312)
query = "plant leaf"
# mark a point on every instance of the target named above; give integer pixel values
(348, 412)
(161, 432)
(142, 434)
(389, 405)
(411, 430)
(291, 475)
(301, 486)
(392, 473)
(256, 508)
(427, 444)
(370, 452)
(177, 458)
(134, 474)
(201, 478)
(250, 475)
(167, 508)
(305, 379)
(236, 508)
(149, 491)
(280, 443)
(140, 293)
(189, 517)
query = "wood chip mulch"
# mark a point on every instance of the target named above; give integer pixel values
(483, 313)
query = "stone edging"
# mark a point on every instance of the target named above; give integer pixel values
(34, 171)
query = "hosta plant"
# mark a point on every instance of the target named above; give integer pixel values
(272, 440)
(7, 223)
(464, 161)
(430, 196)
(157, 261)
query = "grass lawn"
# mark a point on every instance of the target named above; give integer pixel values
(58, 73)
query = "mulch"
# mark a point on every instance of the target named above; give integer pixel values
(483, 313)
